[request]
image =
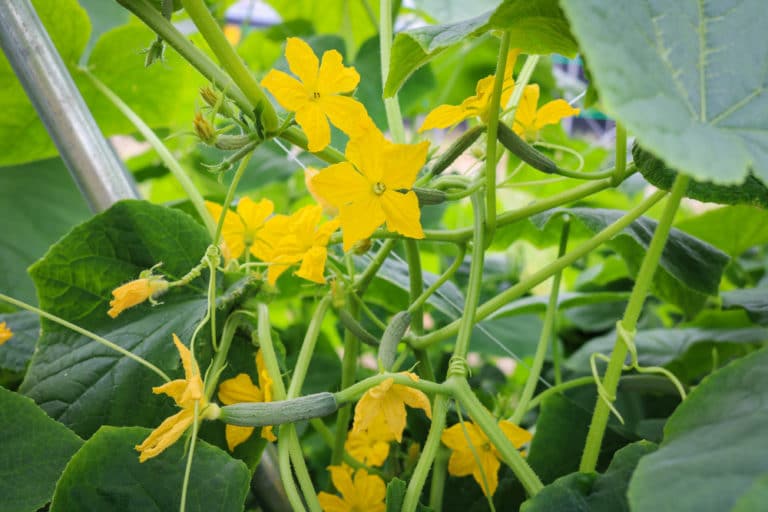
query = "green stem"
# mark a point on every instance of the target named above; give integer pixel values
(468, 318)
(490, 152)
(284, 465)
(421, 299)
(629, 323)
(355, 391)
(391, 105)
(348, 376)
(575, 383)
(439, 474)
(417, 313)
(190, 456)
(509, 454)
(230, 195)
(308, 348)
(87, 334)
(171, 35)
(220, 359)
(231, 61)
(296, 137)
(621, 152)
(162, 151)
(362, 282)
(513, 292)
(300, 467)
(428, 453)
(546, 335)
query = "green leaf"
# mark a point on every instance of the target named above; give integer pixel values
(689, 349)
(695, 96)
(395, 495)
(80, 382)
(565, 300)
(754, 498)
(22, 135)
(31, 225)
(714, 444)
(35, 450)
(16, 352)
(508, 336)
(105, 474)
(717, 228)
(582, 492)
(753, 300)
(534, 27)
(751, 192)
(688, 271)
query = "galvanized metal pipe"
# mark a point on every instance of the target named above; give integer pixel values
(95, 167)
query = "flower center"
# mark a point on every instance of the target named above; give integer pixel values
(315, 95)
(379, 188)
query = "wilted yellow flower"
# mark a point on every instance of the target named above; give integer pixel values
(529, 120)
(317, 96)
(241, 228)
(386, 403)
(242, 389)
(484, 462)
(374, 186)
(477, 105)
(297, 238)
(5, 333)
(364, 493)
(370, 446)
(186, 393)
(147, 287)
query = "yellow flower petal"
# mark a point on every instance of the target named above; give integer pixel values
(332, 503)
(488, 468)
(313, 121)
(461, 463)
(135, 292)
(368, 153)
(360, 219)
(444, 116)
(233, 230)
(517, 436)
(334, 77)
(340, 183)
(402, 213)
(5, 333)
(239, 389)
(254, 215)
(525, 115)
(289, 92)
(342, 481)
(346, 113)
(313, 265)
(236, 435)
(370, 489)
(553, 112)
(328, 208)
(403, 163)
(302, 61)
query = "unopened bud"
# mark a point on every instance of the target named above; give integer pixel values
(204, 130)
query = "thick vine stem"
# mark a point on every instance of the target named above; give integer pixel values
(308, 348)
(428, 453)
(490, 151)
(480, 415)
(231, 61)
(391, 105)
(513, 292)
(629, 323)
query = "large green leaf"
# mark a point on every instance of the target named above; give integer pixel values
(689, 349)
(689, 269)
(534, 27)
(32, 217)
(753, 300)
(105, 474)
(582, 492)
(80, 382)
(714, 444)
(717, 228)
(35, 450)
(684, 77)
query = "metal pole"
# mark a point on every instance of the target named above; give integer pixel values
(95, 167)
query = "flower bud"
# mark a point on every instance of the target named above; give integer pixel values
(204, 130)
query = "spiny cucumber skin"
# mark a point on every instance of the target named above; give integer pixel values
(525, 151)
(391, 338)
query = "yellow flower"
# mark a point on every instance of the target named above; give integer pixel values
(317, 96)
(474, 106)
(240, 231)
(186, 393)
(298, 238)
(386, 403)
(528, 120)
(370, 446)
(328, 208)
(241, 389)
(484, 462)
(5, 333)
(374, 186)
(147, 287)
(363, 494)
